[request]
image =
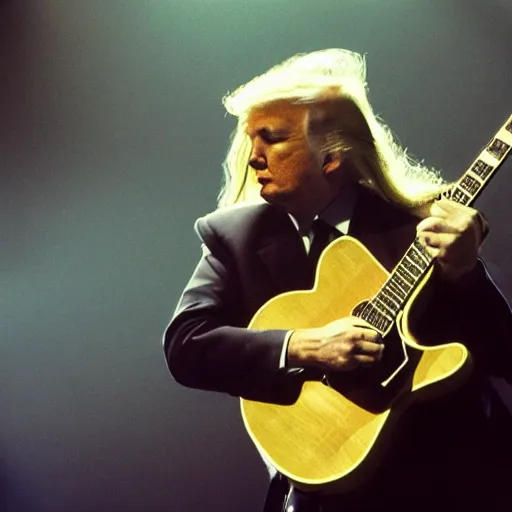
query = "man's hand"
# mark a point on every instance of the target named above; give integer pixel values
(452, 234)
(343, 345)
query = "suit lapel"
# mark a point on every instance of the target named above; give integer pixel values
(282, 252)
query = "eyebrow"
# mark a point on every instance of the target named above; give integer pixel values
(269, 131)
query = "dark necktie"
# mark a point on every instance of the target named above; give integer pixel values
(323, 234)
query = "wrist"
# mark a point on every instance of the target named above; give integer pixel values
(301, 347)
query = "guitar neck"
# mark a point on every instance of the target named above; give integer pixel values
(382, 310)
(480, 173)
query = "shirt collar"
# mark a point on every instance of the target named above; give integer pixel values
(339, 212)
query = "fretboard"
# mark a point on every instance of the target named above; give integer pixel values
(382, 310)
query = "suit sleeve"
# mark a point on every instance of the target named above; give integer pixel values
(207, 345)
(475, 312)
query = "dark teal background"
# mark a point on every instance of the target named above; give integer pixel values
(112, 135)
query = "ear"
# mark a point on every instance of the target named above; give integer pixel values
(332, 163)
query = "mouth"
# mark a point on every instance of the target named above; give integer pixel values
(263, 181)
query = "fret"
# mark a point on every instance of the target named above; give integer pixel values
(389, 302)
(390, 299)
(375, 318)
(460, 196)
(411, 267)
(402, 272)
(393, 288)
(388, 292)
(497, 148)
(402, 287)
(470, 185)
(382, 324)
(481, 169)
(420, 262)
(421, 249)
(383, 308)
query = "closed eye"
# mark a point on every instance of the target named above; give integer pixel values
(272, 137)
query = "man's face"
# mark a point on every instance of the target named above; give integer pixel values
(289, 171)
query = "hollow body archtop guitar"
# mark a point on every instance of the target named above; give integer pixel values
(330, 436)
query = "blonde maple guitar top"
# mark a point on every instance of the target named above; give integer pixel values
(324, 437)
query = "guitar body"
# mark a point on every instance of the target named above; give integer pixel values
(331, 438)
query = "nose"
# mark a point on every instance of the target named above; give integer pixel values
(257, 159)
(258, 164)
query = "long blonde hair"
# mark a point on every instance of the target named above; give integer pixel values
(333, 83)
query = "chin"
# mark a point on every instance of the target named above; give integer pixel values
(278, 201)
(269, 197)
(266, 194)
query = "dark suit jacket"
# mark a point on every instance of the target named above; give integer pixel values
(253, 252)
